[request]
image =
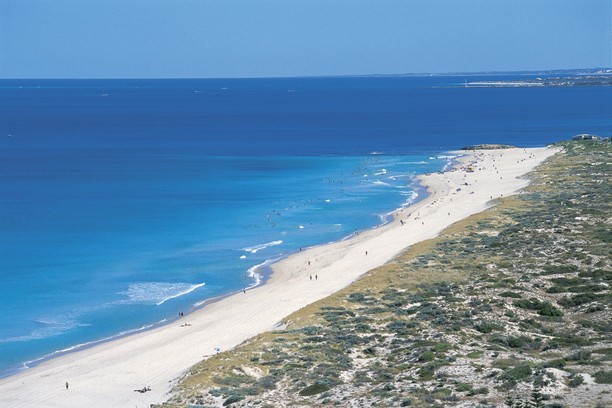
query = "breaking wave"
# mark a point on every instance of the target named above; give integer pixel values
(157, 293)
(49, 327)
(253, 249)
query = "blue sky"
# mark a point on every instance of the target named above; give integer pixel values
(254, 38)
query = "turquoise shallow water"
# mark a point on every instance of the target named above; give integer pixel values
(123, 203)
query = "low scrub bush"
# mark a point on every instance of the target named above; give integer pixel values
(603, 377)
(578, 300)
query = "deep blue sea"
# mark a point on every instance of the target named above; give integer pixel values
(125, 202)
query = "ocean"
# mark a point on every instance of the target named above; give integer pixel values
(126, 202)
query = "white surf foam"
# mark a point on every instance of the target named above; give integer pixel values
(416, 162)
(253, 273)
(157, 293)
(30, 363)
(49, 327)
(253, 249)
(412, 196)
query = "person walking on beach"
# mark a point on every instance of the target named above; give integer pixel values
(67, 385)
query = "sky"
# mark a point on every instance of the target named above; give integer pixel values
(269, 38)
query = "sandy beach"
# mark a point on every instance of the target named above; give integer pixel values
(108, 374)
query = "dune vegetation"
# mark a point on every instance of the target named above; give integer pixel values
(510, 307)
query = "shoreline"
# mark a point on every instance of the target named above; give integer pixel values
(107, 373)
(261, 274)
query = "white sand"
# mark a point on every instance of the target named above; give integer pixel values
(107, 375)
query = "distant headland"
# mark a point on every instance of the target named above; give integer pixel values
(488, 146)
(578, 80)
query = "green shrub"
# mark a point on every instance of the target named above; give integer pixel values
(603, 377)
(401, 327)
(556, 363)
(268, 382)
(599, 274)
(311, 330)
(480, 391)
(578, 299)
(369, 351)
(570, 339)
(558, 269)
(356, 297)
(505, 363)
(427, 371)
(544, 308)
(463, 387)
(510, 294)
(580, 356)
(426, 356)
(314, 389)
(547, 309)
(442, 347)
(442, 393)
(233, 380)
(487, 327)
(232, 399)
(557, 289)
(523, 342)
(587, 288)
(575, 380)
(531, 304)
(566, 281)
(519, 373)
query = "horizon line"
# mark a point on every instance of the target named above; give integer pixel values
(418, 74)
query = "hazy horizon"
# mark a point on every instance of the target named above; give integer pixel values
(407, 74)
